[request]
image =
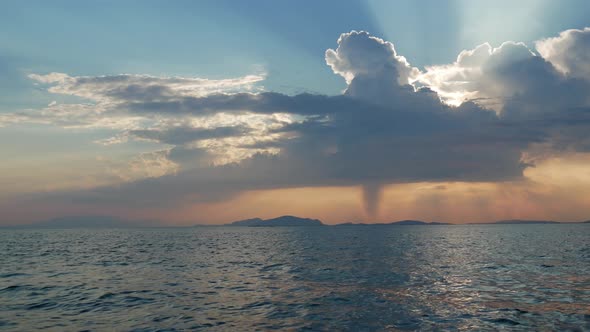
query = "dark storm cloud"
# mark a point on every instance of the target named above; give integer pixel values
(381, 130)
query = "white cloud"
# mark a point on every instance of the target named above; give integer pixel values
(360, 54)
(110, 95)
(87, 116)
(569, 52)
(127, 87)
(479, 74)
(146, 165)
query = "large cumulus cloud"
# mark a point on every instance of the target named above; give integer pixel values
(502, 77)
(360, 54)
(569, 52)
(392, 124)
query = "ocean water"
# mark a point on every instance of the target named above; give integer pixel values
(355, 278)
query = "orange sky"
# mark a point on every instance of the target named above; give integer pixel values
(557, 189)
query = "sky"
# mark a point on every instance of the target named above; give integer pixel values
(194, 112)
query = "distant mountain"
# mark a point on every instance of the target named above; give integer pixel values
(86, 222)
(520, 221)
(351, 224)
(416, 222)
(247, 222)
(397, 223)
(280, 221)
(419, 222)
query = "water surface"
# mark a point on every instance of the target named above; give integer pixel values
(357, 278)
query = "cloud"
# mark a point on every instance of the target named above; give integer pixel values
(146, 165)
(483, 74)
(510, 79)
(569, 52)
(183, 135)
(86, 115)
(528, 91)
(143, 107)
(360, 54)
(508, 108)
(106, 98)
(372, 69)
(141, 87)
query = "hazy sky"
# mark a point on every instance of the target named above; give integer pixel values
(210, 111)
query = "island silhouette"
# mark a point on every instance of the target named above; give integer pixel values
(99, 221)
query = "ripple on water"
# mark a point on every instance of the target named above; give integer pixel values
(357, 278)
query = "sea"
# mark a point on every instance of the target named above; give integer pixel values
(344, 278)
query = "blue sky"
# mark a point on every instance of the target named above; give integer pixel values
(208, 84)
(219, 39)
